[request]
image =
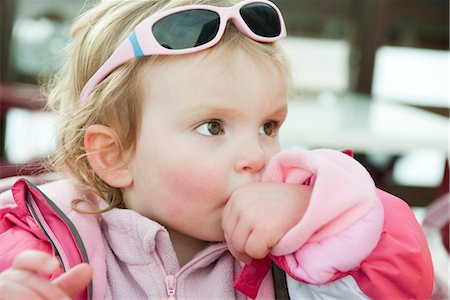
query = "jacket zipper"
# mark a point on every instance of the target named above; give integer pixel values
(171, 286)
(59, 250)
(171, 279)
(37, 216)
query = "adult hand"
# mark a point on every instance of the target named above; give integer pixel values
(27, 278)
(258, 215)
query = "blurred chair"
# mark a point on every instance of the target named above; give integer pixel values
(317, 64)
(418, 78)
(28, 98)
(411, 76)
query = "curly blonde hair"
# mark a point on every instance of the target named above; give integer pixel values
(95, 35)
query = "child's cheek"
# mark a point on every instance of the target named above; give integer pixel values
(195, 183)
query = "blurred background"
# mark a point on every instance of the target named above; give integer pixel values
(368, 75)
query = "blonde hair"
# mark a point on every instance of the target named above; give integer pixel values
(95, 35)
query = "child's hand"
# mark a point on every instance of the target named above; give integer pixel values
(258, 215)
(26, 279)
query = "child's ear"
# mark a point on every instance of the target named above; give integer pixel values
(106, 157)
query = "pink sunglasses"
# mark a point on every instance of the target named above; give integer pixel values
(192, 28)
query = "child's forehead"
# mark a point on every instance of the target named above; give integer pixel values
(225, 60)
(209, 79)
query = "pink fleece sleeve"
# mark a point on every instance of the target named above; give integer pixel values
(344, 218)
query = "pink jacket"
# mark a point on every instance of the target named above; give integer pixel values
(353, 240)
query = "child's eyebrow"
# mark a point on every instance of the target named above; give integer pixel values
(281, 111)
(219, 110)
(212, 109)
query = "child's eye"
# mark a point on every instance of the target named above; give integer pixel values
(269, 128)
(210, 128)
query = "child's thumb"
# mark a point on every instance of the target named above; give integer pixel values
(75, 280)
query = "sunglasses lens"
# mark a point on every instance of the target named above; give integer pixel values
(186, 29)
(262, 19)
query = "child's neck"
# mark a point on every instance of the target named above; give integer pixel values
(185, 247)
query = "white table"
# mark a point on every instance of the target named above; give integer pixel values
(364, 126)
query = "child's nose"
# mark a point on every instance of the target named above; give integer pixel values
(251, 158)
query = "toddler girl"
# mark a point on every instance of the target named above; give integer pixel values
(175, 184)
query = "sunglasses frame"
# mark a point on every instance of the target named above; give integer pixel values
(142, 42)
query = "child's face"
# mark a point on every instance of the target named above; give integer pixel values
(208, 128)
